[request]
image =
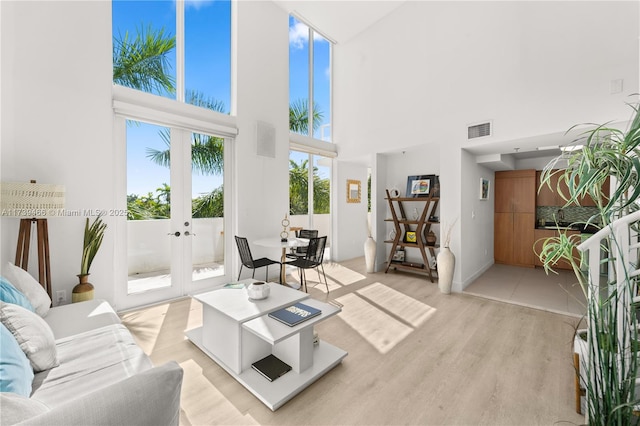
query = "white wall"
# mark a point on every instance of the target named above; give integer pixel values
(349, 220)
(261, 183)
(56, 123)
(474, 253)
(429, 69)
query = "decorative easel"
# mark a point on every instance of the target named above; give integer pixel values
(22, 250)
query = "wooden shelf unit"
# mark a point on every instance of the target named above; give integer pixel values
(420, 226)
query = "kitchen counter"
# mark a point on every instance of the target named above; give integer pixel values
(562, 226)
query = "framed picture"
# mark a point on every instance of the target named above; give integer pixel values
(353, 191)
(421, 185)
(398, 256)
(484, 188)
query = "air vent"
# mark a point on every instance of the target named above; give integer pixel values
(479, 130)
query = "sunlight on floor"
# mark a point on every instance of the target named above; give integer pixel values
(402, 306)
(202, 393)
(382, 315)
(337, 277)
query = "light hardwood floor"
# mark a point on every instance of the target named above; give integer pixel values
(416, 356)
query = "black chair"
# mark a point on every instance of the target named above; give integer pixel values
(312, 260)
(297, 252)
(247, 259)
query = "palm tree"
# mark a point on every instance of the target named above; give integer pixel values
(207, 152)
(299, 116)
(298, 184)
(298, 193)
(142, 62)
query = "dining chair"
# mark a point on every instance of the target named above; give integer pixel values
(247, 259)
(297, 252)
(312, 260)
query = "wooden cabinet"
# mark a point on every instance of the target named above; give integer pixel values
(550, 196)
(588, 201)
(542, 234)
(419, 227)
(514, 217)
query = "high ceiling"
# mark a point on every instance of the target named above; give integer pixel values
(340, 20)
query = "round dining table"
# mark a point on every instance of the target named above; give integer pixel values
(289, 243)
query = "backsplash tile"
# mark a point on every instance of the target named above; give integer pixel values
(571, 214)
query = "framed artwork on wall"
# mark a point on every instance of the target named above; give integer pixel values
(421, 185)
(353, 191)
(484, 189)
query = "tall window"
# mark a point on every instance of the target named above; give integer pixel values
(309, 82)
(310, 192)
(176, 49)
(175, 233)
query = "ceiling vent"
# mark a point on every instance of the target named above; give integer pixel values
(479, 130)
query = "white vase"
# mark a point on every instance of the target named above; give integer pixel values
(446, 265)
(370, 254)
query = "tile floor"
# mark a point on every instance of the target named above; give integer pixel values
(531, 287)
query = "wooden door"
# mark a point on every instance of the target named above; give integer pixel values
(523, 227)
(524, 191)
(503, 193)
(503, 237)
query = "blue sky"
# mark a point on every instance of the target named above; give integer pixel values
(207, 70)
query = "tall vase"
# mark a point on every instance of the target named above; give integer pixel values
(446, 266)
(83, 291)
(370, 254)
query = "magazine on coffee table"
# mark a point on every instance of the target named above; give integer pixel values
(295, 314)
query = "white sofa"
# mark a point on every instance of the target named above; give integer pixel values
(102, 377)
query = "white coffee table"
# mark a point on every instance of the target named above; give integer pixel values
(237, 332)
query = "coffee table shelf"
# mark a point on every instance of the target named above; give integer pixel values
(273, 331)
(237, 332)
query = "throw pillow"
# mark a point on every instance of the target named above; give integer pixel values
(33, 335)
(16, 374)
(10, 294)
(16, 408)
(27, 285)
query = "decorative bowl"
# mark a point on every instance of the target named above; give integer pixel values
(258, 290)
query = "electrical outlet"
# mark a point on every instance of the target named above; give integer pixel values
(61, 295)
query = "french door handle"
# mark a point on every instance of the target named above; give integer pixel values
(177, 233)
(187, 233)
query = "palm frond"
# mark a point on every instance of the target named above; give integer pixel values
(142, 62)
(93, 235)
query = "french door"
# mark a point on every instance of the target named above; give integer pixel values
(173, 239)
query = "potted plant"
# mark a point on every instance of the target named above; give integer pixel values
(610, 377)
(93, 235)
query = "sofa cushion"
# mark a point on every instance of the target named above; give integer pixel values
(23, 281)
(90, 361)
(16, 373)
(150, 398)
(67, 320)
(10, 294)
(17, 408)
(33, 335)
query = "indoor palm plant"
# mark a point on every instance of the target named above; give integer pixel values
(606, 152)
(93, 235)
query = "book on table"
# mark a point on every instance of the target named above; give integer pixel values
(271, 367)
(295, 314)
